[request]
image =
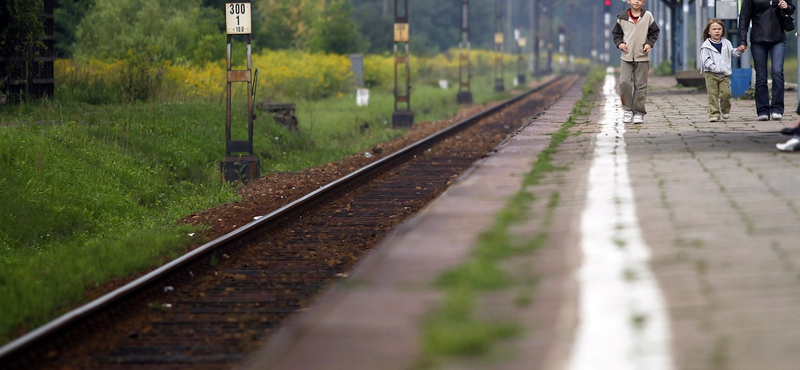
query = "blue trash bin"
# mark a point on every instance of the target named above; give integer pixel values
(740, 81)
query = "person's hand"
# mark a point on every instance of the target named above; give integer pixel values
(647, 48)
(742, 48)
(623, 47)
(782, 4)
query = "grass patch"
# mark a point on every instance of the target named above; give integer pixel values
(93, 192)
(454, 329)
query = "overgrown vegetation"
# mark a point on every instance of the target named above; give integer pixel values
(455, 329)
(283, 76)
(94, 181)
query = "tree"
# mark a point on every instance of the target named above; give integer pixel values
(278, 28)
(21, 34)
(68, 14)
(336, 32)
(284, 24)
(377, 32)
(434, 25)
(163, 30)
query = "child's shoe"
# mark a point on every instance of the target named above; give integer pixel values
(638, 119)
(713, 119)
(726, 115)
(627, 117)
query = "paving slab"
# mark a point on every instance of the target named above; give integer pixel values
(714, 203)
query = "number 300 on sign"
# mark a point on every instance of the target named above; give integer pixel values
(237, 18)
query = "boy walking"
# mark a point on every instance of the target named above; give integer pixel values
(635, 33)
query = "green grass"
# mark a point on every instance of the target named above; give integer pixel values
(454, 329)
(92, 193)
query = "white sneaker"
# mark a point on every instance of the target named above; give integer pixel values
(777, 116)
(638, 119)
(627, 117)
(726, 116)
(713, 119)
(763, 117)
(792, 145)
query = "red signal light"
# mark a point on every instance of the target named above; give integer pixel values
(608, 2)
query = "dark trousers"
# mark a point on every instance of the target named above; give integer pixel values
(776, 53)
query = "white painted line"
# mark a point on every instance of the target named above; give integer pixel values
(623, 322)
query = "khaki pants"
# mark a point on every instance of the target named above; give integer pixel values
(719, 95)
(633, 86)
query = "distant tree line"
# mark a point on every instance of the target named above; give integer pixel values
(191, 30)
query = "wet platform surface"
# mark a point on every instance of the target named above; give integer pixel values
(674, 244)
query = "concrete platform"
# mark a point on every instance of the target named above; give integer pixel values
(687, 229)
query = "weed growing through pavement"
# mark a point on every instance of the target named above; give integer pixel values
(453, 329)
(691, 243)
(701, 266)
(639, 320)
(719, 353)
(630, 275)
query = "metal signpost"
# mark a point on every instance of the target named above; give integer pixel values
(521, 61)
(240, 162)
(498, 48)
(464, 74)
(402, 117)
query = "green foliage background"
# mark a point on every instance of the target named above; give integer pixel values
(164, 30)
(339, 26)
(94, 181)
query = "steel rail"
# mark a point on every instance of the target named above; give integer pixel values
(31, 338)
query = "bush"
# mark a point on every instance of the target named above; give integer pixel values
(140, 81)
(90, 81)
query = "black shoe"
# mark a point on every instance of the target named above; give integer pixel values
(788, 131)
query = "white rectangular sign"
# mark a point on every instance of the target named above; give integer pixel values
(362, 97)
(237, 18)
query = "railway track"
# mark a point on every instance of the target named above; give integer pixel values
(211, 307)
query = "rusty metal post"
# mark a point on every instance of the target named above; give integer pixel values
(240, 162)
(464, 74)
(402, 117)
(499, 86)
(521, 42)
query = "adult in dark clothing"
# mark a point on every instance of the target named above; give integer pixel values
(767, 39)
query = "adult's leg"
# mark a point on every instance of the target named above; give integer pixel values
(759, 52)
(626, 85)
(776, 54)
(712, 89)
(640, 70)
